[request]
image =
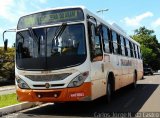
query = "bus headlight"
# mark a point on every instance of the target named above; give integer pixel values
(78, 80)
(21, 83)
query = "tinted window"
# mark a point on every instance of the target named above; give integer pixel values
(131, 49)
(122, 45)
(135, 52)
(47, 52)
(138, 51)
(114, 37)
(127, 43)
(106, 39)
(114, 42)
(126, 50)
(94, 43)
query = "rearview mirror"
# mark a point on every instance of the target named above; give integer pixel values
(5, 44)
(6, 40)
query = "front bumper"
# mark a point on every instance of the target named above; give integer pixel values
(81, 93)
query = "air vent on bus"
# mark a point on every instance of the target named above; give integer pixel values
(52, 85)
(41, 78)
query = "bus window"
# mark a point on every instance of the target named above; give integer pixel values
(126, 51)
(138, 51)
(135, 52)
(131, 49)
(128, 48)
(122, 45)
(105, 34)
(95, 43)
(114, 41)
(119, 45)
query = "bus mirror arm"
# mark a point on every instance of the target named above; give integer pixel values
(6, 40)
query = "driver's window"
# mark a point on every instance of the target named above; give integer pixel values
(95, 43)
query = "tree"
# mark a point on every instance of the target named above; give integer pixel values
(7, 63)
(149, 46)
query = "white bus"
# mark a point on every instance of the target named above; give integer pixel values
(70, 54)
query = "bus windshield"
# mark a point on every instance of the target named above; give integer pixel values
(48, 53)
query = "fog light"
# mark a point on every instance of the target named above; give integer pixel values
(39, 96)
(55, 95)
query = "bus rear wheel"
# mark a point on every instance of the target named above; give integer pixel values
(134, 85)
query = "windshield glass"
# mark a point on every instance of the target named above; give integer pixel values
(48, 53)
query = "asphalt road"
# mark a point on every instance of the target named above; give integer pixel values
(126, 102)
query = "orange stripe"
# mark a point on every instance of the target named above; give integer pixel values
(81, 93)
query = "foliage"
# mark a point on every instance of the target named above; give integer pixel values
(7, 63)
(149, 46)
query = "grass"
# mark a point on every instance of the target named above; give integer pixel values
(7, 100)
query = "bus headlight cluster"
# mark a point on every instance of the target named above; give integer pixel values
(21, 83)
(78, 80)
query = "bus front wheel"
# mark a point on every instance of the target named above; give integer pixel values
(109, 92)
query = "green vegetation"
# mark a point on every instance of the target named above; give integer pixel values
(7, 63)
(7, 100)
(149, 46)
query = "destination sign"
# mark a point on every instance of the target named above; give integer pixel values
(50, 17)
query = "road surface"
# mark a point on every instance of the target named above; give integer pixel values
(126, 102)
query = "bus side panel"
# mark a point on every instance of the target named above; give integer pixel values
(117, 70)
(98, 86)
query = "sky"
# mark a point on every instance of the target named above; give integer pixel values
(128, 14)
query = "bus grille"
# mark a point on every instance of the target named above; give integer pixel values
(41, 78)
(52, 85)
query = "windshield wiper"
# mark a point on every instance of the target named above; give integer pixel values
(58, 33)
(35, 38)
(60, 30)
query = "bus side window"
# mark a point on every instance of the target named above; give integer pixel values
(95, 44)
(122, 45)
(138, 51)
(126, 51)
(131, 49)
(135, 53)
(119, 44)
(128, 47)
(115, 43)
(106, 40)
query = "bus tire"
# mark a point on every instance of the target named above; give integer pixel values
(109, 92)
(134, 85)
(110, 88)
